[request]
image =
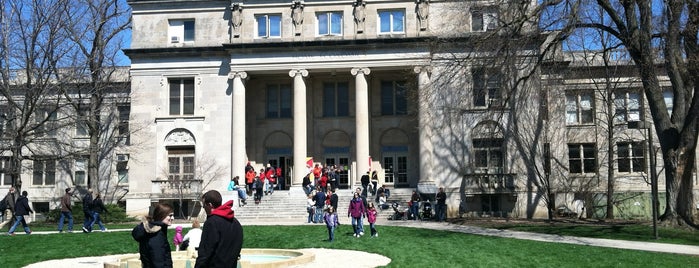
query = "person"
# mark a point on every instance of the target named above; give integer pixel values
(66, 212)
(10, 200)
(233, 185)
(191, 240)
(306, 184)
(97, 209)
(280, 178)
(21, 208)
(319, 198)
(374, 182)
(382, 201)
(249, 179)
(414, 204)
(271, 179)
(441, 208)
(310, 207)
(371, 217)
(356, 210)
(258, 185)
(365, 183)
(379, 192)
(151, 235)
(222, 237)
(331, 222)
(178, 239)
(87, 211)
(333, 198)
(360, 226)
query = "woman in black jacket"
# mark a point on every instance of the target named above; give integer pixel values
(21, 208)
(151, 234)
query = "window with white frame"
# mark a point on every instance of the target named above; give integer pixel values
(394, 98)
(46, 124)
(391, 21)
(279, 100)
(484, 19)
(579, 108)
(335, 99)
(180, 164)
(181, 96)
(80, 170)
(269, 25)
(81, 126)
(43, 172)
(486, 88)
(487, 154)
(630, 157)
(329, 23)
(124, 112)
(669, 101)
(5, 171)
(582, 158)
(122, 168)
(181, 30)
(627, 107)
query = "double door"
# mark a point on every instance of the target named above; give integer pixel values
(396, 169)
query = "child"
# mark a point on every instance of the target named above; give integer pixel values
(177, 240)
(310, 207)
(331, 222)
(371, 217)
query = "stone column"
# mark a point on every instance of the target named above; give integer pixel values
(300, 126)
(361, 122)
(238, 154)
(426, 182)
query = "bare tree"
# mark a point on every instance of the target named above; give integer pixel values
(187, 182)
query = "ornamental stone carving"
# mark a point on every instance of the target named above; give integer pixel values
(297, 15)
(422, 8)
(359, 14)
(180, 137)
(236, 19)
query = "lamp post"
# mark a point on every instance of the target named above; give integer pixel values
(653, 173)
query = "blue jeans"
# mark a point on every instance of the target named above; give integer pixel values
(96, 219)
(373, 229)
(441, 211)
(69, 215)
(318, 218)
(360, 225)
(87, 224)
(311, 212)
(414, 209)
(19, 219)
(357, 225)
(331, 233)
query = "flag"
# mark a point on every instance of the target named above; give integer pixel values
(309, 162)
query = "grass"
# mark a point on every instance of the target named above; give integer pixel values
(406, 247)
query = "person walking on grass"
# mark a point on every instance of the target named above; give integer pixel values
(97, 209)
(87, 211)
(356, 210)
(66, 212)
(371, 217)
(331, 222)
(9, 204)
(21, 208)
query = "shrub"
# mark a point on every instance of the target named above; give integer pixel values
(115, 214)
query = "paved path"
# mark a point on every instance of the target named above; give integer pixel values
(364, 259)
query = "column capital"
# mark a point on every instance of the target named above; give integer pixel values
(240, 74)
(363, 70)
(295, 72)
(423, 68)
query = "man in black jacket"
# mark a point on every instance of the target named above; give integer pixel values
(222, 236)
(10, 200)
(87, 210)
(21, 208)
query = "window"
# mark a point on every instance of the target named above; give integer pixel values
(627, 107)
(279, 101)
(484, 20)
(329, 23)
(582, 158)
(487, 154)
(122, 168)
(391, 21)
(668, 98)
(5, 171)
(579, 108)
(6, 118)
(80, 170)
(335, 99)
(181, 31)
(44, 172)
(393, 98)
(81, 127)
(45, 120)
(181, 164)
(269, 25)
(486, 88)
(124, 112)
(181, 96)
(630, 157)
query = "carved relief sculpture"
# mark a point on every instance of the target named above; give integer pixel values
(297, 15)
(236, 19)
(359, 14)
(422, 8)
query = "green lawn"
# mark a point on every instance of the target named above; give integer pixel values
(407, 247)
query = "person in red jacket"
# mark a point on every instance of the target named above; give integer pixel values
(249, 179)
(271, 179)
(222, 236)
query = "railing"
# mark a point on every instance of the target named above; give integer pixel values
(489, 182)
(177, 188)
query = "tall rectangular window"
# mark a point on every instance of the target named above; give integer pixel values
(630, 157)
(335, 99)
(486, 88)
(181, 30)
(46, 122)
(269, 25)
(582, 158)
(669, 101)
(394, 100)
(487, 153)
(485, 19)
(124, 112)
(579, 108)
(81, 123)
(279, 100)
(44, 172)
(329, 23)
(181, 96)
(80, 171)
(391, 21)
(122, 168)
(627, 107)
(181, 164)
(5, 171)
